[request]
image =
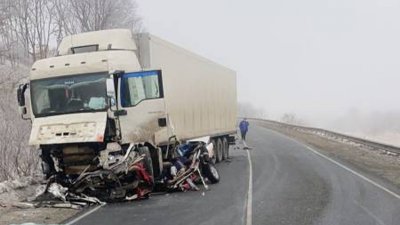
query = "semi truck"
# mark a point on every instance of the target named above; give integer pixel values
(110, 92)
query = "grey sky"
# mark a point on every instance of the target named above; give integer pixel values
(317, 58)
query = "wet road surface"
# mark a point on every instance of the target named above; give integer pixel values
(291, 185)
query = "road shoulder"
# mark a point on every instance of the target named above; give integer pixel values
(375, 163)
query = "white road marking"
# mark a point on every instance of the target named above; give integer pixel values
(353, 172)
(380, 222)
(85, 214)
(249, 201)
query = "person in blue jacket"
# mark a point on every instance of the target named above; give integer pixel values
(244, 127)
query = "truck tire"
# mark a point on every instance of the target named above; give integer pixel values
(156, 159)
(225, 147)
(210, 171)
(214, 158)
(148, 163)
(218, 152)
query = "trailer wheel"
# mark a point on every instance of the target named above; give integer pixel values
(214, 157)
(148, 163)
(218, 152)
(225, 148)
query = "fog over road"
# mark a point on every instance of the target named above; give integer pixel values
(291, 185)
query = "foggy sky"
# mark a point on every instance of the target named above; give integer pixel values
(316, 58)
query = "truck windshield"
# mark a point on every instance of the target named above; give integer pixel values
(69, 94)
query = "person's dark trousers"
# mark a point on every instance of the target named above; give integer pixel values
(244, 135)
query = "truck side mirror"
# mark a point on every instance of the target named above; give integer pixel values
(21, 100)
(21, 94)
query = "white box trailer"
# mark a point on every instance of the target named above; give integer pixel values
(114, 88)
(199, 95)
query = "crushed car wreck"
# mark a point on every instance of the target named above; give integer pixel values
(115, 114)
(116, 173)
(124, 175)
(119, 175)
(190, 164)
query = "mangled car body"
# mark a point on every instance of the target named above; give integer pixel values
(110, 110)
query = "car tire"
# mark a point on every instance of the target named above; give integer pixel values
(211, 173)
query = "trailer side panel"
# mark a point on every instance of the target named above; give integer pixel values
(200, 95)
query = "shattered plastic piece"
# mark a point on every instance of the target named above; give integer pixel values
(192, 185)
(130, 198)
(90, 199)
(174, 171)
(58, 196)
(40, 190)
(58, 191)
(184, 187)
(66, 205)
(142, 193)
(24, 205)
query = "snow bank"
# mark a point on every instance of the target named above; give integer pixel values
(19, 189)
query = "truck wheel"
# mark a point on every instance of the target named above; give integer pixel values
(225, 148)
(148, 163)
(214, 158)
(211, 172)
(156, 159)
(218, 152)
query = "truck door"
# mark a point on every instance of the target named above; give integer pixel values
(141, 96)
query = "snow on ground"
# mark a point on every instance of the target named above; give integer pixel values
(13, 211)
(20, 189)
(390, 138)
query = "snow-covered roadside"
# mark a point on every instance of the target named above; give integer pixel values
(391, 138)
(19, 189)
(14, 211)
(375, 162)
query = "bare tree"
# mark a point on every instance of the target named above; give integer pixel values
(27, 25)
(103, 14)
(43, 22)
(16, 157)
(9, 47)
(64, 22)
(75, 16)
(37, 26)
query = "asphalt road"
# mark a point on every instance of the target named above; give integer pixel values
(291, 185)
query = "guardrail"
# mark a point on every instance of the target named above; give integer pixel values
(372, 145)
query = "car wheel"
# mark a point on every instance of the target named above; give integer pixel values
(211, 172)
